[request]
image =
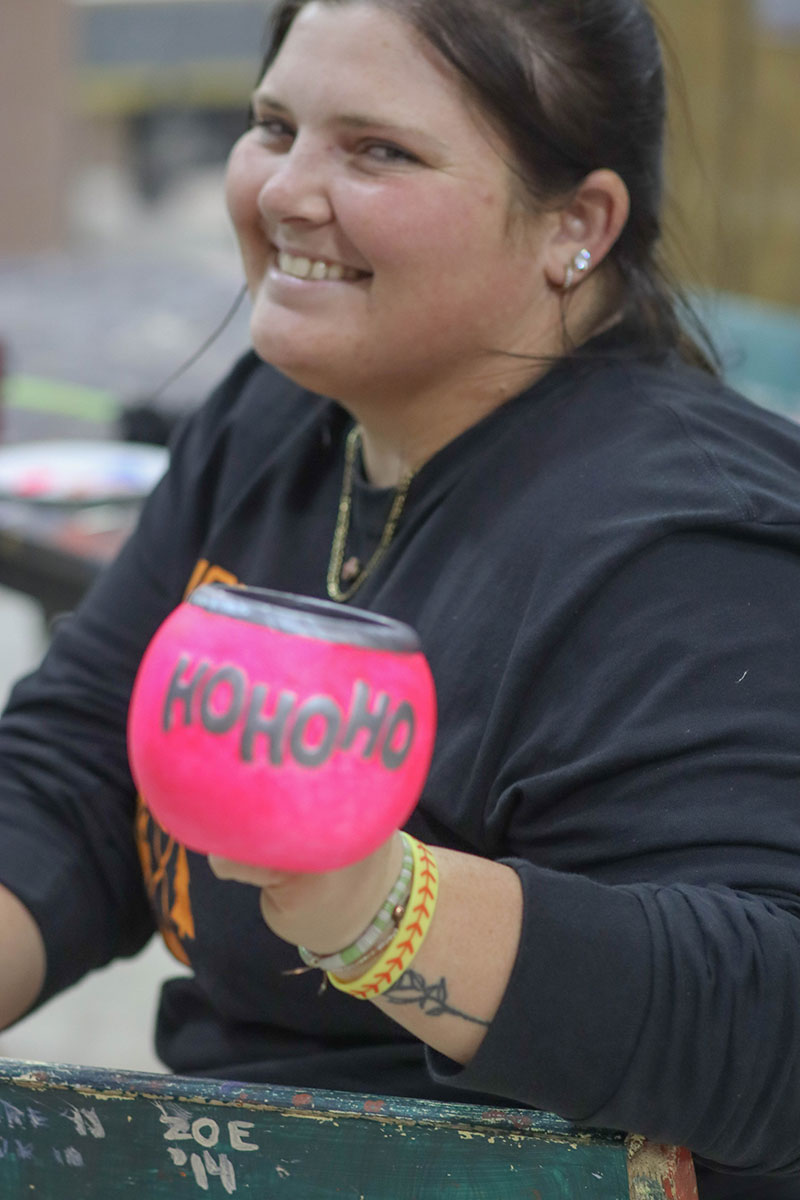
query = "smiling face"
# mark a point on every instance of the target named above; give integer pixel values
(374, 216)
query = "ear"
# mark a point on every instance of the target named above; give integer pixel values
(592, 219)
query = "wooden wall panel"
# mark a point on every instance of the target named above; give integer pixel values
(734, 159)
(34, 125)
(775, 153)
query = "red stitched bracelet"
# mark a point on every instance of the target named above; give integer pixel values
(411, 931)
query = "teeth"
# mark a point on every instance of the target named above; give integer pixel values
(301, 267)
(305, 268)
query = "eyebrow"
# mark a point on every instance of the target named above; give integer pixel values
(355, 120)
(267, 101)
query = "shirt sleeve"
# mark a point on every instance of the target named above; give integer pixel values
(655, 763)
(67, 799)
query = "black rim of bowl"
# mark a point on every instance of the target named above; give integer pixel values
(306, 616)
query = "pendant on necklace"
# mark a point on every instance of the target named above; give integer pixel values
(351, 569)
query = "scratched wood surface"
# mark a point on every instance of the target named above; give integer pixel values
(71, 1133)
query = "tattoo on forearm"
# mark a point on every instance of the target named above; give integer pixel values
(413, 988)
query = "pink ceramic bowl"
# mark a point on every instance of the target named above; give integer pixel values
(279, 730)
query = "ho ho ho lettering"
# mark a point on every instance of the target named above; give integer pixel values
(274, 724)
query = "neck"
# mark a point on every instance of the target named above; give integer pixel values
(403, 433)
(408, 427)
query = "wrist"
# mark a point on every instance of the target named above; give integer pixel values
(366, 899)
(380, 971)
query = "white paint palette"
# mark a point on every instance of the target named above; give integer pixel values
(75, 472)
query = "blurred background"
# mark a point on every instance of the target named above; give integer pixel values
(117, 263)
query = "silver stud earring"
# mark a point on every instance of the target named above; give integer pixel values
(575, 269)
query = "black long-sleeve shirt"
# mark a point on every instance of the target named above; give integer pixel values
(605, 576)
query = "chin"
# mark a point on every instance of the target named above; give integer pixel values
(325, 371)
(312, 375)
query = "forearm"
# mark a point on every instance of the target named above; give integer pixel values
(454, 985)
(22, 958)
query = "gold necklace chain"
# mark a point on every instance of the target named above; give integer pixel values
(340, 535)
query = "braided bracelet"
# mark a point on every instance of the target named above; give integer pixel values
(411, 931)
(380, 930)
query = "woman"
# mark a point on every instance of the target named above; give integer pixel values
(448, 212)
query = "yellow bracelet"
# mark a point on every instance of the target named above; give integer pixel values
(410, 935)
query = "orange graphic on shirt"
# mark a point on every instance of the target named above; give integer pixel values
(164, 862)
(165, 867)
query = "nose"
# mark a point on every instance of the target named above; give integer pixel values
(296, 187)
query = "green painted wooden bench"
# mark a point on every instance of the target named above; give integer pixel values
(78, 1133)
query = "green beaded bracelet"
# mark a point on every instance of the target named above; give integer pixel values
(381, 924)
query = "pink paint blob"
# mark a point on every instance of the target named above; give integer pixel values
(35, 482)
